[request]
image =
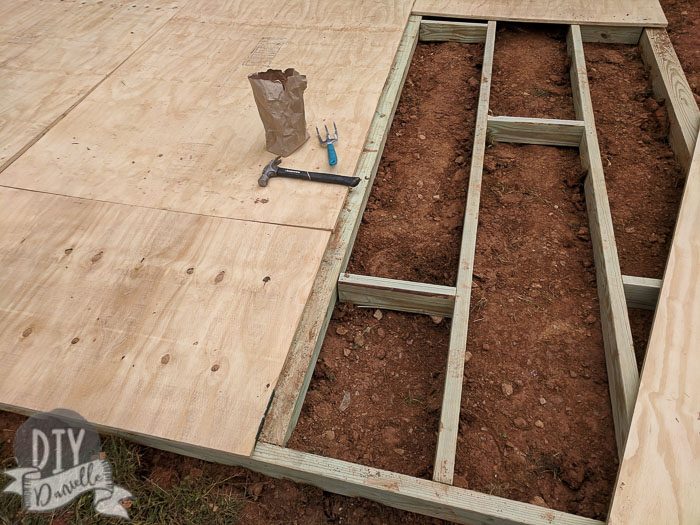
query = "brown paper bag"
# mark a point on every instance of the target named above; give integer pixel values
(279, 96)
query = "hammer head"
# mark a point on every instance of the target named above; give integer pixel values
(269, 171)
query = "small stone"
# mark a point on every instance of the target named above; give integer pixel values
(459, 160)
(399, 451)
(359, 340)
(543, 401)
(539, 424)
(422, 137)
(381, 353)
(417, 155)
(341, 330)
(473, 81)
(381, 332)
(520, 422)
(467, 357)
(419, 183)
(436, 198)
(582, 233)
(345, 403)
(537, 500)
(486, 347)
(329, 435)
(572, 373)
(507, 389)
(378, 315)
(436, 319)
(347, 352)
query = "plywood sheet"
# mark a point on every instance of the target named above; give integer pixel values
(153, 322)
(645, 13)
(659, 478)
(47, 66)
(176, 126)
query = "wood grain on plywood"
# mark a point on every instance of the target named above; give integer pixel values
(659, 477)
(46, 67)
(153, 322)
(176, 126)
(645, 13)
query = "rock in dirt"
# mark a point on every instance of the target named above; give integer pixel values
(467, 356)
(539, 424)
(381, 332)
(378, 315)
(359, 340)
(539, 501)
(583, 234)
(436, 319)
(507, 389)
(520, 422)
(543, 401)
(459, 160)
(329, 435)
(347, 352)
(381, 353)
(341, 330)
(345, 403)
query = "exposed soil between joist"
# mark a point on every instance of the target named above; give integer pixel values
(536, 422)
(531, 73)
(412, 226)
(644, 182)
(376, 392)
(640, 324)
(684, 31)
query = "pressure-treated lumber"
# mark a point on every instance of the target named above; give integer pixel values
(53, 54)
(623, 377)
(298, 370)
(454, 375)
(524, 130)
(443, 31)
(611, 35)
(670, 84)
(659, 477)
(643, 13)
(159, 323)
(175, 127)
(641, 292)
(393, 294)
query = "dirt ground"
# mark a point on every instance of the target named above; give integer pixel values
(535, 423)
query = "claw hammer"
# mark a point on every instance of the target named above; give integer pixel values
(273, 169)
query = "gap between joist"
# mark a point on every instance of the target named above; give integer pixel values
(524, 130)
(393, 294)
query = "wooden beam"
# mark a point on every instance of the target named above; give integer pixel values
(611, 35)
(659, 477)
(294, 381)
(392, 294)
(454, 376)
(623, 377)
(524, 130)
(641, 292)
(670, 84)
(464, 32)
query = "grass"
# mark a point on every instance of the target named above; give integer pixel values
(190, 501)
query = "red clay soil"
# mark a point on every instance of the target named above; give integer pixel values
(531, 72)
(684, 30)
(376, 392)
(640, 323)
(536, 422)
(644, 182)
(412, 226)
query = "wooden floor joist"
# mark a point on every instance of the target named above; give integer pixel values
(454, 375)
(623, 376)
(295, 378)
(443, 31)
(392, 294)
(524, 130)
(641, 292)
(669, 83)
(611, 35)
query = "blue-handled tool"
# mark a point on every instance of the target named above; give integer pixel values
(328, 142)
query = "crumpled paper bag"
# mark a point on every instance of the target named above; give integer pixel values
(279, 96)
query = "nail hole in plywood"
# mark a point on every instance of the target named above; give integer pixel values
(165, 359)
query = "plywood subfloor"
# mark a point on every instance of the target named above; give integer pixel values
(47, 67)
(176, 126)
(659, 478)
(156, 323)
(148, 283)
(643, 13)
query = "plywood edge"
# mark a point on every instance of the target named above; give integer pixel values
(293, 383)
(394, 294)
(548, 132)
(454, 375)
(669, 83)
(623, 376)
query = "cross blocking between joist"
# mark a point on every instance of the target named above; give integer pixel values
(393, 294)
(524, 130)
(454, 375)
(294, 381)
(463, 32)
(623, 377)
(641, 292)
(611, 34)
